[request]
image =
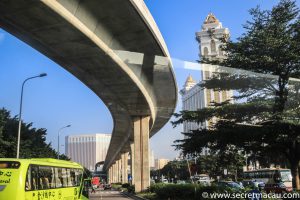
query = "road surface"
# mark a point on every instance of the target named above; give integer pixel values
(108, 195)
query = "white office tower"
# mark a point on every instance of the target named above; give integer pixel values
(151, 159)
(87, 149)
(192, 99)
(193, 96)
(160, 163)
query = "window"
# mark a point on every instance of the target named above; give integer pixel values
(220, 51)
(69, 178)
(205, 51)
(213, 46)
(76, 175)
(286, 176)
(64, 177)
(28, 184)
(58, 178)
(31, 178)
(46, 178)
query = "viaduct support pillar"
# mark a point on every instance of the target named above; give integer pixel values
(109, 175)
(120, 170)
(112, 174)
(124, 167)
(132, 162)
(141, 153)
(115, 172)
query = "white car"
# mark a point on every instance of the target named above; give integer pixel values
(164, 180)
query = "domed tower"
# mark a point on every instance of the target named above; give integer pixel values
(210, 38)
(189, 83)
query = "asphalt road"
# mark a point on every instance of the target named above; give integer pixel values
(107, 195)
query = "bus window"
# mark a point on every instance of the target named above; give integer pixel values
(286, 176)
(69, 178)
(58, 178)
(31, 178)
(78, 177)
(9, 165)
(64, 177)
(46, 177)
(34, 175)
(28, 182)
(75, 177)
(276, 176)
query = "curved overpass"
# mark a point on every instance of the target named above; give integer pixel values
(113, 46)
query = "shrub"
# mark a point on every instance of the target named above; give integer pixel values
(175, 192)
(131, 189)
(182, 191)
(125, 185)
(116, 186)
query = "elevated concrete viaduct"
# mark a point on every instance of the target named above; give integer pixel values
(115, 48)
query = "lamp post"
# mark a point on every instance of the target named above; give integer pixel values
(58, 138)
(20, 112)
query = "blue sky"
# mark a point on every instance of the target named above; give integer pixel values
(60, 99)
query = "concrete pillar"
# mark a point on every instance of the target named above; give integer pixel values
(115, 173)
(112, 173)
(119, 171)
(109, 175)
(124, 167)
(132, 162)
(141, 153)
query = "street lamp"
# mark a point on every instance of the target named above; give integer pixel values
(58, 138)
(20, 112)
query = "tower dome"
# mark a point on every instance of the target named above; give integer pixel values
(211, 19)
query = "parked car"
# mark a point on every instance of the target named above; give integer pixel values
(164, 180)
(202, 179)
(181, 182)
(253, 184)
(204, 182)
(229, 184)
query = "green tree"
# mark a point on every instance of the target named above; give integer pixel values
(176, 170)
(33, 141)
(264, 121)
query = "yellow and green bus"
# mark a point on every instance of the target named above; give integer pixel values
(41, 179)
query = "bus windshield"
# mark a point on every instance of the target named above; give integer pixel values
(286, 176)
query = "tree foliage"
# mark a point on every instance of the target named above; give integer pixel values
(33, 141)
(263, 122)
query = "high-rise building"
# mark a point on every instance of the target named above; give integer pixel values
(193, 96)
(151, 159)
(87, 149)
(160, 163)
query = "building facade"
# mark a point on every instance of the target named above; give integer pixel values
(87, 149)
(160, 163)
(193, 96)
(151, 159)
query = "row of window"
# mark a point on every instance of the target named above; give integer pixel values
(89, 139)
(47, 177)
(213, 49)
(261, 174)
